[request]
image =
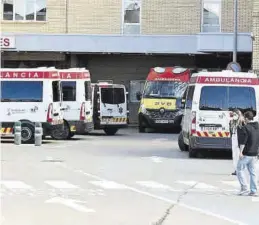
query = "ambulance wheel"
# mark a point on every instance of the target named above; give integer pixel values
(181, 144)
(27, 133)
(110, 131)
(141, 129)
(71, 134)
(63, 134)
(192, 153)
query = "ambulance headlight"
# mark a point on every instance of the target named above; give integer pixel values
(143, 109)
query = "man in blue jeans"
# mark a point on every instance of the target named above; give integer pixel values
(249, 144)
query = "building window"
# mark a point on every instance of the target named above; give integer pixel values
(211, 16)
(24, 10)
(135, 87)
(131, 16)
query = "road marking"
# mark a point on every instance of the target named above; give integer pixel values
(71, 204)
(60, 184)
(108, 184)
(15, 184)
(205, 212)
(255, 199)
(156, 159)
(197, 185)
(153, 184)
(231, 183)
(159, 140)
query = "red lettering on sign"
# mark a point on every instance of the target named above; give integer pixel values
(28, 75)
(74, 75)
(225, 80)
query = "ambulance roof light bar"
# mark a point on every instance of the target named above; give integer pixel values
(159, 69)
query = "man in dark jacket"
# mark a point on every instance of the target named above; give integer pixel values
(249, 144)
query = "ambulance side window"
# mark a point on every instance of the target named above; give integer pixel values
(69, 91)
(189, 97)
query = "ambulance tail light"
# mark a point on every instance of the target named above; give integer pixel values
(82, 111)
(193, 125)
(50, 113)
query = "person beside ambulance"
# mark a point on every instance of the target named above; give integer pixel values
(236, 125)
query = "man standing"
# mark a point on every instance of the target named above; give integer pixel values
(249, 144)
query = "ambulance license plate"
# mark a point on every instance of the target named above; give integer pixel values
(210, 128)
(162, 121)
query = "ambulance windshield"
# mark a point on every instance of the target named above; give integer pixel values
(164, 89)
(113, 95)
(221, 98)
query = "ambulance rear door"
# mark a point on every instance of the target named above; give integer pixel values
(113, 103)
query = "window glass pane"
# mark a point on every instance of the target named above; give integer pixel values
(41, 6)
(8, 9)
(242, 98)
(21, 91)
(19, 9)
(227, 98)
(132, 11)
(210, 28)
(211, 16)
(164, 89)
(131, 29)
(30, 9)
(56, 91)
(112, 95)
(69, 90)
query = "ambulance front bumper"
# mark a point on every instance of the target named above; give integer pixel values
(210, 143)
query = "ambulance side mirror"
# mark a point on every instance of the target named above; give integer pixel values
(138, 95)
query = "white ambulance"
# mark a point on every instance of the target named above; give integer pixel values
(110, 107)
(210, 99)
(29, 96)
(76, 103)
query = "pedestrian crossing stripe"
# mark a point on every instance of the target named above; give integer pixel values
(175, 186)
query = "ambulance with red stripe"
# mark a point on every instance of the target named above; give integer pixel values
(210, 100)
(164, 87)
(76, 103)
(29, 96)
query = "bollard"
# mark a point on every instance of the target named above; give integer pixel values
(18, 133)
(38, 134)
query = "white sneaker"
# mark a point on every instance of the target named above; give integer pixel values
(243, 192)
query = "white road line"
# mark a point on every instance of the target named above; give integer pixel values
(15, 184)
(231, 183)
(198, 185)
(205, 212)
(255, 199)
(156, 159)
(155, 185)
(70, 203)
(108, 184)
(60, 184)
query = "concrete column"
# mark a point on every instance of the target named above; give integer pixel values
(256, 36)
(73, 61)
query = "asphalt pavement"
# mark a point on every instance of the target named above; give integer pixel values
(126, 179)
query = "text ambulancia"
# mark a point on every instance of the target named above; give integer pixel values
(210, 99)
(29, 96)
(110, 111)
(76, 102)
